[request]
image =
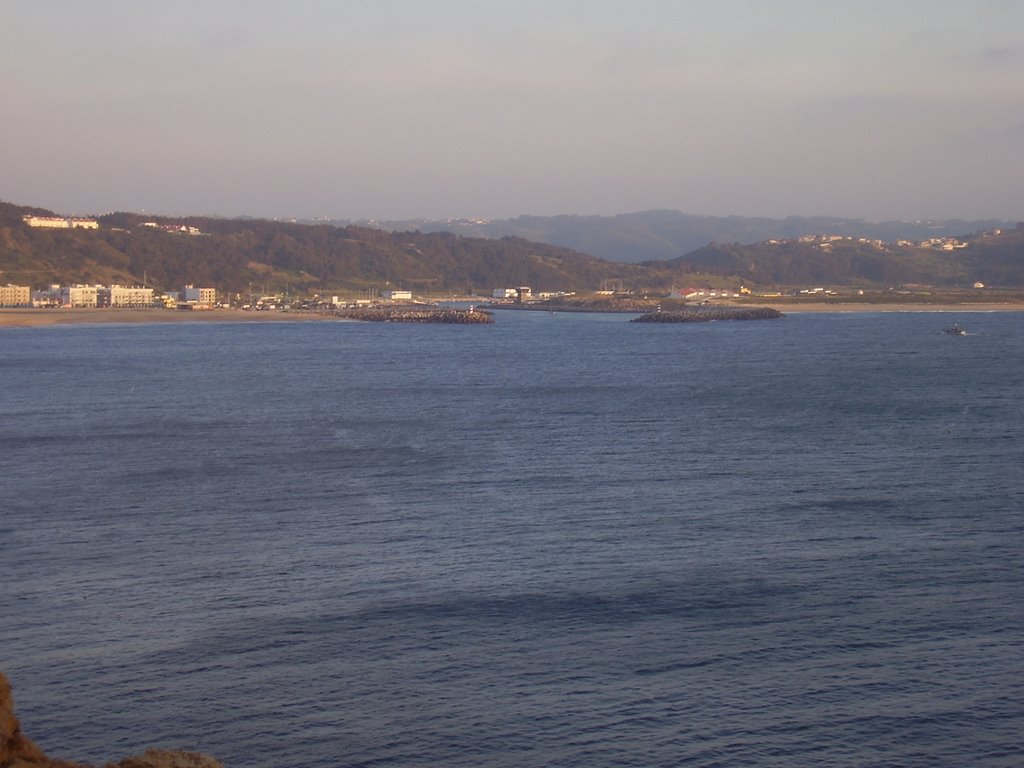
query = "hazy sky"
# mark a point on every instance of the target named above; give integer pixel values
(397, 109)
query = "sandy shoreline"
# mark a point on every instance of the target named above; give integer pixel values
(25, 318)
(796, 308)
(28, 318)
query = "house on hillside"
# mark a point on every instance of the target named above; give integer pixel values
(59, 222)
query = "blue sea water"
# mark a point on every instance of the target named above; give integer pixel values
(558, 540)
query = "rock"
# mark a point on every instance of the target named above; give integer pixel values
(18, 751)
(162, 758)
(416, 315)
(707, 314)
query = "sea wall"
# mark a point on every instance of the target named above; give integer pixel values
(709, 313)
(414, 315)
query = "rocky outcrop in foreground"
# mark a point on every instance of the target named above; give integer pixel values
(18, 751)
(707, 314)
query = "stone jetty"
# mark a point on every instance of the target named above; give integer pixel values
(707, 313)
(415, 315)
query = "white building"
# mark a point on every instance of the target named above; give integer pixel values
(79, 296)
(59, 222)
(504, 293)
(48, 297)
(192, 295)
(174, 229)
(125, 296)
(398, 295)
(53, 222)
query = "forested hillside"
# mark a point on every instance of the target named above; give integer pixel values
(995, 260)
(246, 255)
(240, 254)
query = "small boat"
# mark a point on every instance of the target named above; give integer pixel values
(954, 330)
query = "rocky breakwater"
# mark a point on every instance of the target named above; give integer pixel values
(608, 304)
(18, 751)
(706, 314)
(416, 315)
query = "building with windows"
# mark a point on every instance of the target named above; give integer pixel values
(15, 296)
(60, 222)
(51, 222)
(47, 297)
(125, 296)
(80, 296)
(205, 296)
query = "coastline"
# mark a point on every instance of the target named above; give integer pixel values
(793, 308)
(33, 318)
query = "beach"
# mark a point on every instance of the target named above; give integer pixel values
(27, 318)
(792, 308)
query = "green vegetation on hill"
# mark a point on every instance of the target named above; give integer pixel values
(256, 255)
(239, 255)
(996, 260)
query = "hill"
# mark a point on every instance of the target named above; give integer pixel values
(239, 255)
(995, 259)
(662, 235)
(256, 255)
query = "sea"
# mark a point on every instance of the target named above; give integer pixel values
(558, 540)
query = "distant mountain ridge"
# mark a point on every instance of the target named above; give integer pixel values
(657, 235)
(259, 255)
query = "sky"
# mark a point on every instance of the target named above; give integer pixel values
(395, 109)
